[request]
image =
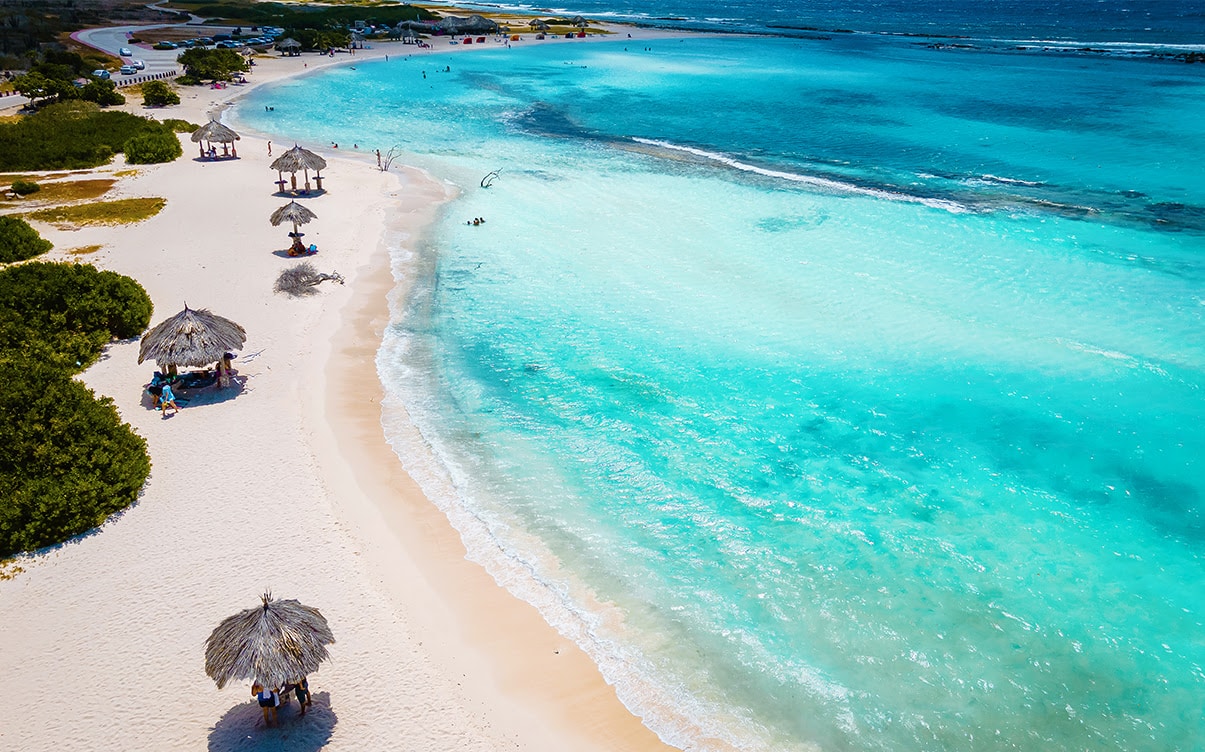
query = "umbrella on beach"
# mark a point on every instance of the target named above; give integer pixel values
(273, 644)
(289, 46)
(292, 212)
(215, 133)
(299, 159)
(539, 25)
(579, 22)
(191, 339)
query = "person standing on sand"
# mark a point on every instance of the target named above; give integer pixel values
(168, 399)
(268, 700)
(269, 148)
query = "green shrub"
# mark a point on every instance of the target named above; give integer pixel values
(25, 187)
(68, 460)
(152, 148)
(69, 135)
(187, 80)
(19, 241)
(180, 126)
(158, 94)
(64, 314)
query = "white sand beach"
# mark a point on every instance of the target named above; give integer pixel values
(287, 484)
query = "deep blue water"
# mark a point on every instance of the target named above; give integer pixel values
(835, 393)
(1146, 22)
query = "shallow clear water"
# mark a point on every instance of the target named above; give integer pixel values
(834, 393)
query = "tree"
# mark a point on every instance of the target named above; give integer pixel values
(158, 94)
(102, 92)
(213, 65)
(33, 85)
(153, 148)
(19, 241)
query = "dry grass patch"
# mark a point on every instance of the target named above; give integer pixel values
(125, 173)
(68, 191)
(9, 569)
(121, 212)
(84, 250)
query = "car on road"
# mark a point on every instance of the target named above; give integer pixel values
(101, 73)
(165, 45)
(128, 70)
(125, 52)
(139, 64)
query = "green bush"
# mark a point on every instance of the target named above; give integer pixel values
(214, 65)
(25, 187)
(158, 94)
(19, 241)
(152, 148)
(69, 135)
(68, 460)
(187, 80)
(63, 314)
(180, 126)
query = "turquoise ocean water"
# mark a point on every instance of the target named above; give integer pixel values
(839, 394)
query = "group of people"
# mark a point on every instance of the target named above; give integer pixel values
(269, 698)
(299, 248)
(476, 221)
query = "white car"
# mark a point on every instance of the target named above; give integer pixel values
(125, 52)
(140, 65)
(128, 70)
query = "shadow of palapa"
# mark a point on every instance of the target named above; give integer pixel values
(300, 193)
(206, 395)
(242, 728)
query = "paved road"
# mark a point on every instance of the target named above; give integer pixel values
(113, 38)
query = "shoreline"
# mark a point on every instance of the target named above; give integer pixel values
(481, 664)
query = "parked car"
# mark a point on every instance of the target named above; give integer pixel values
(101, 73)
(165, 45)
(125, 52)
(227, 45)
(138, 64)
(128, 70)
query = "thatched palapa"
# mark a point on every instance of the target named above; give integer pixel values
(214, 132)
(289, 46)
(297, 160)
(292, 212)
(274, 644)
(191, 339)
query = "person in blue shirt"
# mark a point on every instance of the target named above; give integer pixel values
(168, 399)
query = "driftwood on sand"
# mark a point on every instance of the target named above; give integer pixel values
(303, 279)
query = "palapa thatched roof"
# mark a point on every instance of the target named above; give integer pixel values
(191, 339)
(287, 43)
(297, 159)
(292, 212)
(214, 132)
(538, 24)
(273, 644)
(579, 21)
